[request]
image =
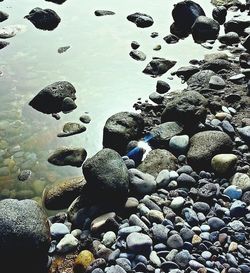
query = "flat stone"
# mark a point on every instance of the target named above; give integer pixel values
(139, 243)
(216, 82)
(138, 55)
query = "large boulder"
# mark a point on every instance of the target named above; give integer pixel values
(158, 160)
(107, 177)
(205, 145)
(24, 236)
(205, 28)
(219, 14)
(45, 19)
(62, 194)
(187, 107)
(53, 98)
(185, 13)
(120, 129)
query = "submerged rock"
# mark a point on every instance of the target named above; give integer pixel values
(68, 156)
(120, 129)
(23, 224)
(141, 20)
(103, 12)
(45, 19)
(52, 98)
(107, 177)
(158, 66)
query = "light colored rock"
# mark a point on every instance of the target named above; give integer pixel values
(241, 180)
(224, 164)
(68, 243)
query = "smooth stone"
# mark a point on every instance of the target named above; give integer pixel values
(109, 238)
(241, 180)
(201, 207)
(185, 180)
(85, 119)
(141, 183)
(139, 243)
(104, 12)
(175, 241)
(179, 144)
(100, 221)
(155, 216)
(160, 233)
(135, 45)
(186, 234)
(67, 244)
(124, 232)
(158, 66)
(141, 20)
(163, 179)
(224, 164)
(216, 82)
(233, 192)
(195, 265)
(182, 258)
(154, 258)
(58, 230)
(156, 98)
(162, 87)
(177, 203)
(238, 209)
(115, 269)
(229, 38)
(245, 133)
(124, 263)
(138, 55)
(190, 216)
(136, 221)
(83, 260)
(216, 223)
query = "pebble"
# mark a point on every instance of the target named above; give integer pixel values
(233, 192)
(175, 241)
(124, 232)
(185, 180)
(238, 209)
(177, 203)
(179, 144)
(67, 244)
(58, 230)
(224, 164)
(241, 180)
(85, 118)
(83, 260)
(163, 179)
(153, 257)
(109, 238)
(182, 258)
(216, 82)
(139, 243)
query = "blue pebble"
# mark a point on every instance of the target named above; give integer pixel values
(233, 192)
(58, 230)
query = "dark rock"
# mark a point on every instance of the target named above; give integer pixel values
(229, 38)
(158, 66)
(237, 25)
(139, 243)
(156, 97)
(238, 209)
(120, 129)
(162, 134)
(107, 177)
(138, 55)
(3, 16)
(205, 28)
(61, 195)
(51, 99)
(201, 207)
(219, 14)
(246, 43)
(141, 20)
(188, 106)
(205, 145)
(72, 128)
(162, 87)
(185, 13)
(24, 175)
(56, 1)
(208, 191)
(175, 242)
(63, 49)
(135, 45)
(182, 258)
(3, 44)
(171, 39)
(186, 181)
(68, 105)
(85, 119)
(68, 156)
(45, 19)
(160, 233)
(154, 34)
(103, 12)
(158, 160)
(216, 223)
(190, 216)
(245, 133)
(23, 224)
(217, 65)
(186, 72)
(200, 80)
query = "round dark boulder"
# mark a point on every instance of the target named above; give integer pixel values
(24, 236)
(3, 16)
(186, 107)
(219, 14)
(185, 13)
(107, 177)
(51, 99)
(140, 19)
(120, 129)
(45, 19)
(205, 28)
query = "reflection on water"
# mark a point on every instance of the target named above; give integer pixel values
(97, 63)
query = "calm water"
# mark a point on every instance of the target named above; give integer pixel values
(98, 64)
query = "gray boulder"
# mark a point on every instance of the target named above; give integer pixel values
(205, 28)
(158, 160)
(120, 129)
(229, 38)
(68, 156)
(107, 177)
(200, 80)
(140, 19)
(24, 236)
(188, 107)
(162, 133)
(205, 145)
(158, 66)
(51, 99)
(45, 19)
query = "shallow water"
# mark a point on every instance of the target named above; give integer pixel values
(97, 63)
